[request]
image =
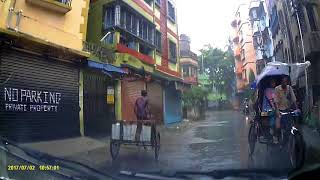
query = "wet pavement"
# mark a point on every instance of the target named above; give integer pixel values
(219, 142)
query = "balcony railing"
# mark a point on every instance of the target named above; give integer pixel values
(99, 52)
(192, 80)
(66, 2)
(62, 6)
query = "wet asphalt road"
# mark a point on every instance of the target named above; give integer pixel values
(219, 142)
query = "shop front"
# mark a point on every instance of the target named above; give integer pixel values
(39, 96)
(155, 95)
(99, 81)
(172, 104)
(131, 89)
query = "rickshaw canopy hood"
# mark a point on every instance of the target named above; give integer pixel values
(294, 70)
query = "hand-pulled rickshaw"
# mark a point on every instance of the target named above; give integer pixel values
(260, 127)
(124, 133)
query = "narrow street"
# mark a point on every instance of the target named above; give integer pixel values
(219, 142)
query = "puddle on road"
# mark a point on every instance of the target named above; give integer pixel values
(214, 124)
(213, 133)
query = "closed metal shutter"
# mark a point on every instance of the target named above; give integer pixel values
(155, 101)
(39, 97)
(173, 106)
(98, 115)
(131, 90)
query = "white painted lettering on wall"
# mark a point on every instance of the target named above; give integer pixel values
(26, 100)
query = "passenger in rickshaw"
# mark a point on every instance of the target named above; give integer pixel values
(268, 105)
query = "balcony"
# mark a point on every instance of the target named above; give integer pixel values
(312, 43)
(142, 57)
(130, 22)
(189, 54)
(60, 6)
(188, 61)
(99, 52)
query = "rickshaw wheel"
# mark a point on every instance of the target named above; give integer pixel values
(252, 138)
(296, 150)
(114, 149)
(156, 146)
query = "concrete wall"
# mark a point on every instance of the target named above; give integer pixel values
(67, 30)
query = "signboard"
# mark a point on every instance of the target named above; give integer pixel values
(27, 100)
(110, 95)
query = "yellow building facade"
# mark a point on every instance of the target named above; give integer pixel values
(41, 56)
(46, 21)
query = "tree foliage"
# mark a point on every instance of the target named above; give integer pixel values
(219, 65)
(194, 97)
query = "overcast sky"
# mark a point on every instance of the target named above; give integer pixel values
(206, 21)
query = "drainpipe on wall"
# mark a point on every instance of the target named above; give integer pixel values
(19, 15)
(11, 12)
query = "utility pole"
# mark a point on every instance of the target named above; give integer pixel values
(202, 64)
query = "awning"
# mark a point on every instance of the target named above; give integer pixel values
(163, 76)
(106, 68)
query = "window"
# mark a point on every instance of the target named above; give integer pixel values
(129, 21)
(135, 24)
(312, 18)
(171, 12)
(109, 39)
(281, 21)
(193, 72)
(158, 2)
(185, 71)
(143, 49)
(158, 41)
(118, 15)
(254, 14)
(255, 42)
(66, 2)
(302, 19)
(243, 55)
(109, 17)
(123, 18)
(245, 74)
(172, 52)
(149, 2)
